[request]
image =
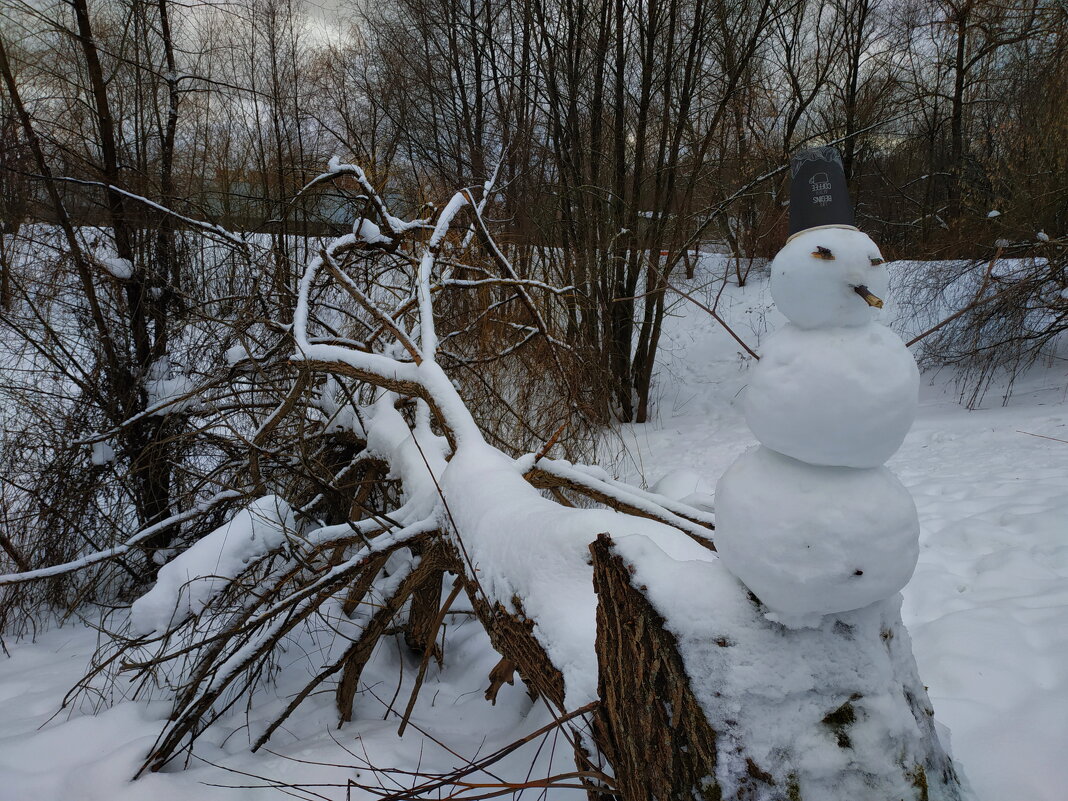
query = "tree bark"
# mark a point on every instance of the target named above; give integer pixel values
(650, 725)
(423, 614)
(431, 560)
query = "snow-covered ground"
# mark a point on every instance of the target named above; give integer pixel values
(987, 610)
(988, 605)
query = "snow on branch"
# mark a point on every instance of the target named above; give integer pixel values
(186, 584)
(212, 229)
(595, 484)
(110, 553)
(396, 226)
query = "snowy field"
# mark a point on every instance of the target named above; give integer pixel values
(987, 610)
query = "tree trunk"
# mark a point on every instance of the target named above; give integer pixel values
(956, 118)
(512, 636)
(419, 633)
(713, 701)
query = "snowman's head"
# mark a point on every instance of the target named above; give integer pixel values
(829, 277)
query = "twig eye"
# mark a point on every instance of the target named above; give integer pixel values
(876, 261)
(823, 253)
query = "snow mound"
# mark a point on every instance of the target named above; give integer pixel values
(188, 583)
(815, 292)
(169, 390)
(369, 232)
(119, 267)
(416, 456)
(841, 396)
(102, 453)
(809, 541)
(682, 483)
(236, 355)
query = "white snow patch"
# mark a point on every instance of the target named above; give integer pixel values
(169, 390)
(417, 457)
(369, 232)
(681, 483)
(118, 267)
(102, 453)
(235, 355)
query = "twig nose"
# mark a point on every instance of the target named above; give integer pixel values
(869, 298)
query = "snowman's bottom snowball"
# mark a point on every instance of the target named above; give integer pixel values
(810, 541)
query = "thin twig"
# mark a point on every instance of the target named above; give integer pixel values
(428, 649)
(1042, 436)
(717, 318)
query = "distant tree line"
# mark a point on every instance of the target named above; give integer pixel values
(607, 136)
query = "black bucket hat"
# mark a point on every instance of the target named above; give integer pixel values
(819, 195)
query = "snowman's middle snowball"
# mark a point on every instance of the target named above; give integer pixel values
(839, 396)
(811, 541)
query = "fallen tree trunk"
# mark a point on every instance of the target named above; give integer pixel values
(649, 723)
(702, 697)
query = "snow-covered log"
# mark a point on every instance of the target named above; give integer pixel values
(703, 697)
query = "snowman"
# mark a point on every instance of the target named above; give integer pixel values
(810, 521)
